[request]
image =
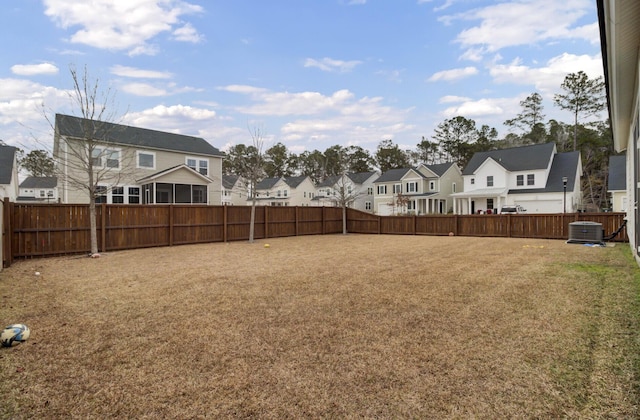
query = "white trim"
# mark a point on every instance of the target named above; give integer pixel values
(138, 153)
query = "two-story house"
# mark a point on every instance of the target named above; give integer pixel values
(8, 172)
(134, 165)
(356, 188)
(536, 178)
(422, 190)
(39, 189)
(285, 191)
(234, 191)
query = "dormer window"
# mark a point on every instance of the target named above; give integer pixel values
(531, 179)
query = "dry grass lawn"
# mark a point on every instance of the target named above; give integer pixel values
(355, 326)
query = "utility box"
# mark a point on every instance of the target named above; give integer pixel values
(585, 233)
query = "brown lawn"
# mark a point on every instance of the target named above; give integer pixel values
(356, 326)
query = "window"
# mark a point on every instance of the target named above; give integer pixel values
(200, 194)
(117, 195)
(412, 187)
(134, 195)
(285, 193)
(109, 158)
(101, 194)
(382, 189)
(397, 188)
(473, 181)
(146, 160)
(369, 190)
(41, 193)
(531, 179)
(200, 165)
(453, 187)
(490, 181)
(490, 203)
(279, 193)
(520, 180)
(411, 205)
(305, 194)
(432, 185)
(367, 205)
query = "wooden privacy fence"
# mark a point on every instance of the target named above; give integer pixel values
(42, 230)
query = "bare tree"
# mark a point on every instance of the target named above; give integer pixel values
(84, 150)
(254, 173)
(344, 194)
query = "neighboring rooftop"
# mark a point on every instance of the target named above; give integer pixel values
(521, 158)
(617, 173)
(70, 126)
(7, 157)
(39, 182)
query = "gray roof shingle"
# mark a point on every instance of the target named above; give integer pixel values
(564, 164)
(522, 158)
(70, 126)
(39, 182)
(7, 155)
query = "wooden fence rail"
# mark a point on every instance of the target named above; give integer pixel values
(43, 230)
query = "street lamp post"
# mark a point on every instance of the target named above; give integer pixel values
(564, 198)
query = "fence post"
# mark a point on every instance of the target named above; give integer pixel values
(508, 225)
(225, 221)
(266, 222)
(379, 229)
(297, 219)
(455, 225)
(323, 220)
(103, 222)
(7, 234)
(414, 224)
(170, 224)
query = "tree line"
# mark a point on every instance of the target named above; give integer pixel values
(458, 138)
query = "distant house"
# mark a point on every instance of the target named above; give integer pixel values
(426, 189)
(39, 189)
(535, 178)
(285, 191)
(617, 182)
(138, 165)
(8, 172)
(234, 192)
(358, 188)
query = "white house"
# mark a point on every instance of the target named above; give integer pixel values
(358, 190)
(535, 177)
(285, 191)
(8, 172)
(234, 191)
(39, 189)
(620, 41)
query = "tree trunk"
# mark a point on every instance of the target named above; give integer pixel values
(93, 226)
(252, 222)
(344, 219)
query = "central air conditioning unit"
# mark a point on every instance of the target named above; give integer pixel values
(585, 233)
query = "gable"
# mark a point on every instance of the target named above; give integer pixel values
(180, 174)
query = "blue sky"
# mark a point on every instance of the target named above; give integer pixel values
(308, 73)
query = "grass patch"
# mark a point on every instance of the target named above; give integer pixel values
(327, 326)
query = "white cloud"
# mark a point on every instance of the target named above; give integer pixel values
(329, 64)
(34, 69)
(481, 108)
(547, 79)
(522, 22)
(188, 33)
(143, 89)
(122, 24)
(448, 99)
(454, 74)
(125, 71)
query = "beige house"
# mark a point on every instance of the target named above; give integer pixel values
(134, 165)
(285, 191)
(426, 189)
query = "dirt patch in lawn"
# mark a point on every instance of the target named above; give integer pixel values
(336, 326)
